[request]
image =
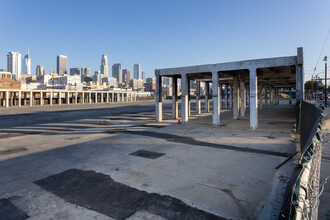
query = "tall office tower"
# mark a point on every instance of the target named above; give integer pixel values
(74, 71)
(27, 64)
(137, 71)
(85, 71)
(62, 65)
(143, 76)
(126, 75)
(117, 72)
(40, 70)
(104, 66)
(14, 64)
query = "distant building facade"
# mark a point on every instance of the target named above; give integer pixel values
(137, 71)
(126, 75)
(74, 71)
(40, 70)
(8, 83)
(104, 65)
(136, 84)
(14, 64)
(85, 71)
(151, 84)
(5, 74)
(117, 72)
(62, 65)
(27, 64)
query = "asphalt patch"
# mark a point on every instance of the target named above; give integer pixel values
(102, 194)
(192, 141)
(12, 151)
(10, 212)
(147, 154)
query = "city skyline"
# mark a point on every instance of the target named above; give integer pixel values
(147, 37)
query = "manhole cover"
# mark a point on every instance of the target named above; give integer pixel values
(147, 154)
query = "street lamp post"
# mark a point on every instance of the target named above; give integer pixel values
(325, 88)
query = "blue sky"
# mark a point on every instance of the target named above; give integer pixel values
(161, 34)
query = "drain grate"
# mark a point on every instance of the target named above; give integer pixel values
(12, 151)
(147, 154)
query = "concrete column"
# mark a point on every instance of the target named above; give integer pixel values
(83, 98)
(135, 94)
(51, 98)
(242, 98)
(67, 98)
(175, 105)
(31, 98)
(112, 97)
(96, 97)
(184, 98)
(41, 98)
(59, 98)
(90, 98)
(7, 99)
(253, 99)
(25, 97)
(235, 99)
(271, 91)
(266, 95)
(300, 75)
(123, 97)
(226, 97)
(207, 93)
(19, 98)
(76, 98)
(260, 96)
(11, 99)
(159, 105)
(102, 94)
(131, 97)
(290, 95)
(231, 96)
(216, 99)
(198, 97)
(107, 97)
(189, 103)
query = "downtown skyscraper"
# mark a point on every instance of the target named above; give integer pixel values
(62, 65)
(117, 72)
(104, 66)
(126, 75)
(27, 64)
(137, 71)
(14, 64)
(40, 70)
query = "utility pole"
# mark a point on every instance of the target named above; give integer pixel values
(317, 88)
(325, 88)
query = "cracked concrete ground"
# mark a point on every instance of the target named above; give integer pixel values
(227, 171)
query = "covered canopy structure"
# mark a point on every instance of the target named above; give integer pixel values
(258, 75)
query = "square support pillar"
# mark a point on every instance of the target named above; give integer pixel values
(76, 98)
(96, 97)
(253, 99)
(226, 97)
(90, 98)
(102, 95)
(266, 95)
(242, 98)
(184, 98)
(25, 97)
(159, 105)
(189, 103)
(175, 105)
(107, 97)
(135, 97)
(112, 97)
(59, 98)
(231, 96)
(82, 98)
(260, 97)
(31, 98)
(131, 97)
(207, 94)
(235, 99)
(300, 75)
(19, 98)
(7, 99)
(41, 98)
(198, 97)
(51, 98)
(216, 99)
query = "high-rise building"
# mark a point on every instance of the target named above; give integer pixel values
(74, 71)
(117, 72)
(143, 74)
(62, 65)
(14, 64)
(40, 70)
(27, 64)
(126, 75)
(85, 71)
(104, 66)
(151, 84)
(137, 71)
